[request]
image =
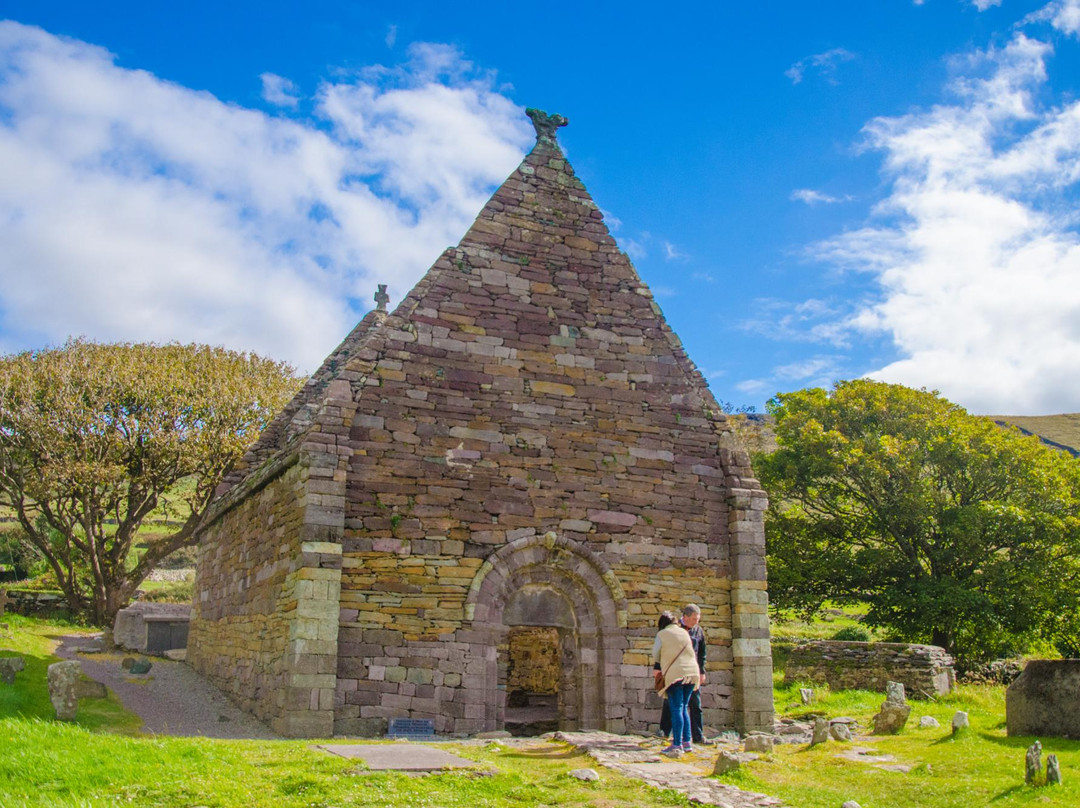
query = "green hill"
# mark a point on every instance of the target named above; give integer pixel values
(1059, 431)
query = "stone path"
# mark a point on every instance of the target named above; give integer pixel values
(171, 699)
(637, 756)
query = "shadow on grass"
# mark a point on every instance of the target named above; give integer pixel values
(1007, 793)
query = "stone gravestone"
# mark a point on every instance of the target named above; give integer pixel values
(821, 731)
(759, 743)
(63, 678)
(1033, 763)
(9, 666)
(960, 721)
(894, 711)
(1053, 771)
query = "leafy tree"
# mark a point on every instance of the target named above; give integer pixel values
(952, 529)
(93, 438)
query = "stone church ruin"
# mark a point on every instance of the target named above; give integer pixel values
(476, 509)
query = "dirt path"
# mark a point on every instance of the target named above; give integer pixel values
(171, 699)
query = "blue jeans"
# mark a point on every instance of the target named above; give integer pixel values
(679, 699)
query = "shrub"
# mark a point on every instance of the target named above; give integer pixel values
(852, 634)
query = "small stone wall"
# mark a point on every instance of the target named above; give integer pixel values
(922, 669)
(34, 603)
(152, 627)
(1043, 701)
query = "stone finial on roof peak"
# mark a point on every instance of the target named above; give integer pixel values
(545, 125)
(381, 298)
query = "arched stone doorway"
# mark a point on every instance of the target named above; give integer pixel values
(549, 582)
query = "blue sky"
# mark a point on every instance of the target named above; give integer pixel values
(813, 191)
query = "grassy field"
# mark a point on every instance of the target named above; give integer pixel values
(1063, 429)
(102, 760)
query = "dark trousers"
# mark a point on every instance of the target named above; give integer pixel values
(695, 717)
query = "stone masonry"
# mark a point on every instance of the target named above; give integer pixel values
(522, 442)
(923, 670)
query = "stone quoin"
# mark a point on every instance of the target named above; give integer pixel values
(522, 444)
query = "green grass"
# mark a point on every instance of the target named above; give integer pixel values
(981, 767)
(101, 760)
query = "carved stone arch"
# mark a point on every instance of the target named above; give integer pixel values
(584, 600)
(550, 549)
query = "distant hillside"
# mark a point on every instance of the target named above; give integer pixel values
(1059, 431)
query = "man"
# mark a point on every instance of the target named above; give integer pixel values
(691, 616)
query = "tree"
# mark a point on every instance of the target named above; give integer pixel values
(93, 438)
(954, 530)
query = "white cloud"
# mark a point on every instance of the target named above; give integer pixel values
(673, 253)
(812, 197)
(1064, 15)
(975, 248)
(824, 64)
(136, 209)
(982, 5)
(818, 371)
(278, 90)
(391, 36)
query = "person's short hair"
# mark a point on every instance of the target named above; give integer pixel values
(666, 619)
(691, 608)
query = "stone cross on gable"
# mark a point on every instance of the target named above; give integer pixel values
(545, 125)
(381, 298)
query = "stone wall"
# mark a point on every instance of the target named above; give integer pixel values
(534, 663)
(921, 669)
(35, 603)
(1044, 701)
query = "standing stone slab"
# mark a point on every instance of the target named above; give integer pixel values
(1033, 763)
(63, 679)
(9, 666)
(960, 722)
(1043, 701)
(1053, 771)
(821, 731)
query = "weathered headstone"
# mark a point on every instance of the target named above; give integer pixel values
(1053, 771)
(63, 678)
(806, 694)
(894, 711)
(1033, 763)
(821, 731)
(928, 722)
(9, 666)
(759, 743)
(894, 693)
(960, 722)
(727, 762)
(840, 732)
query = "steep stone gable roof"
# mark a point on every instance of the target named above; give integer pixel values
(537, 296)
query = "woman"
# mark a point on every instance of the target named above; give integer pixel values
(681, 677)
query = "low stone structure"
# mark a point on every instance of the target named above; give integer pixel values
(152, 628)
(922, 669)
(523, 443)
(35, 603)
(9, 666)
(1045, 700)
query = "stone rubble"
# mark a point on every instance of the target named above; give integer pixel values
(630, 755)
